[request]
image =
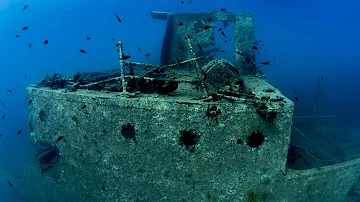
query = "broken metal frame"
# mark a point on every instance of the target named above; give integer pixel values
(298, 132)
(158, 68)
(161, 68)
(243, 26)
(197, 67)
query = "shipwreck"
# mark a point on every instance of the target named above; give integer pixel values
(193, 128)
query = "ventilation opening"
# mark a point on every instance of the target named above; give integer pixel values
(128, 131)
(239, 141)
(42, 116)
(189, 139)
(255, 139)
(49, 162)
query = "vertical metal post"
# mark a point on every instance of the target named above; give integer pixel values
(120, 51)
(197, 67)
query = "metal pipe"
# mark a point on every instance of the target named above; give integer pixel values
(120, 51)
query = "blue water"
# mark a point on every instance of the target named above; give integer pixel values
(307, 38)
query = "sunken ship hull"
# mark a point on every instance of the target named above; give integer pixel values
(157, 138)
(167, 149)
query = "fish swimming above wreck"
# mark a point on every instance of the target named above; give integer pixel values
(192, 128)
